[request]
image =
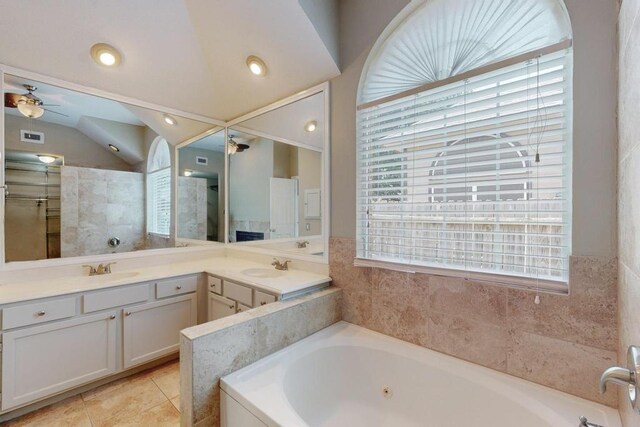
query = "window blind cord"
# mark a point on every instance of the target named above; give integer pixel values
(541, 121)
(466, 177)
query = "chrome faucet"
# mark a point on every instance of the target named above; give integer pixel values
(302, 244)
(584, 422)
(627, 377)
(100, 269)
(283, 266)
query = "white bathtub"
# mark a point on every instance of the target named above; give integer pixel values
(338, 377)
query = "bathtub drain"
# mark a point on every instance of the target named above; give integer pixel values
(386, 392)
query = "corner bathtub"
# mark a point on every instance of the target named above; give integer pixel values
(348, 376)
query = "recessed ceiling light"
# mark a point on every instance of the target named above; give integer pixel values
(113, 148)
(169, 120)
(46, 159)
(106, 55)
(188, 172)
(257, 66)
(311, 126)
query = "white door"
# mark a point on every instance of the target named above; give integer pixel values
(153, 330)
(283, 211)
(220, 307)
(44, 360)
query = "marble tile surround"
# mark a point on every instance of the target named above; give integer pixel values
(628, 196)
(98, 204)
(212, 350)
(565, 342)
(192, 208)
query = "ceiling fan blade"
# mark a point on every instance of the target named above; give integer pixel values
(54, 112)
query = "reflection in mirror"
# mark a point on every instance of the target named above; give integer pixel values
(75, 170)
(274, 193)
(201, 189)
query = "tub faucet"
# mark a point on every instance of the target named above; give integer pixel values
(283, 266)
(627, 377)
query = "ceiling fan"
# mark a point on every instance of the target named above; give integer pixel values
(28, 104)
(236, 147)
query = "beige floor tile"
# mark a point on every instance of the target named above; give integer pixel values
(163, 415)
(167, 368)
(68, 413)
(176, 402)
(124, 402)
(169, 383)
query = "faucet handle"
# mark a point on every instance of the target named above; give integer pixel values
(92, 269)
(584, 422)
(107, 267)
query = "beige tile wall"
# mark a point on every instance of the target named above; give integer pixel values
(628, 189)
(565, 342)
(212, 350)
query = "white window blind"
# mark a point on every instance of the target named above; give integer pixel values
(448, 177)
(159, 201)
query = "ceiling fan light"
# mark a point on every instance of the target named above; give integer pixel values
(30, 110)
(232, 148)
(106, 55)
(256, 66)
(46, 159)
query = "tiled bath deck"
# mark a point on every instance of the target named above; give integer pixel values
(149, 398)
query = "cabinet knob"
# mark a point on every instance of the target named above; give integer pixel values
(263, 303)
(41, 313)
(178, 287)
(128, 313)
(112, 317)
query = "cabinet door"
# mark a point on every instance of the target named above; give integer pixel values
(220, 307)
(153, 330)
(43, 360)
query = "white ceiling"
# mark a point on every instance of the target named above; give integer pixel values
(184, 54)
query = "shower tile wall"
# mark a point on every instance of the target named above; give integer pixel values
(98, 204)
(628, 195)
(192, 208)
(565, 342)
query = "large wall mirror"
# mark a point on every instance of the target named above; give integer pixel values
(200, 187)
(277, 174)
(87, 175)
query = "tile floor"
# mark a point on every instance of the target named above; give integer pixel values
(149, 398)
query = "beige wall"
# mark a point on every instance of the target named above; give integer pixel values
(594, 152)
(628, 191)
(487, 324)
(77, 149)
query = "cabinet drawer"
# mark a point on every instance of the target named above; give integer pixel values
(215, 285)
(103, 300)
(263, 298)
(237, 292)
(176, 286)
(38, 312)
(242, 307)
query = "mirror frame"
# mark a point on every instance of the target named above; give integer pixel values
(17, 265)
(325, 180)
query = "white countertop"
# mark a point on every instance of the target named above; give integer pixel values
(287, 283)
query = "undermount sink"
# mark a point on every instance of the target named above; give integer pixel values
(261, 272)
(113, 276)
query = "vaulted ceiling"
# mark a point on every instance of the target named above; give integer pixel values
(184, 54)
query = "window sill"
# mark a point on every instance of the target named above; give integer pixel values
(516, 282)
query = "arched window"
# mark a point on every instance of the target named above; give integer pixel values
(159, 188)
(464, 141)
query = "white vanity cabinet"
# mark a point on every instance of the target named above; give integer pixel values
(43, 360)
(227, 297)
(55, 344)
(220, 307)
(153, 330)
